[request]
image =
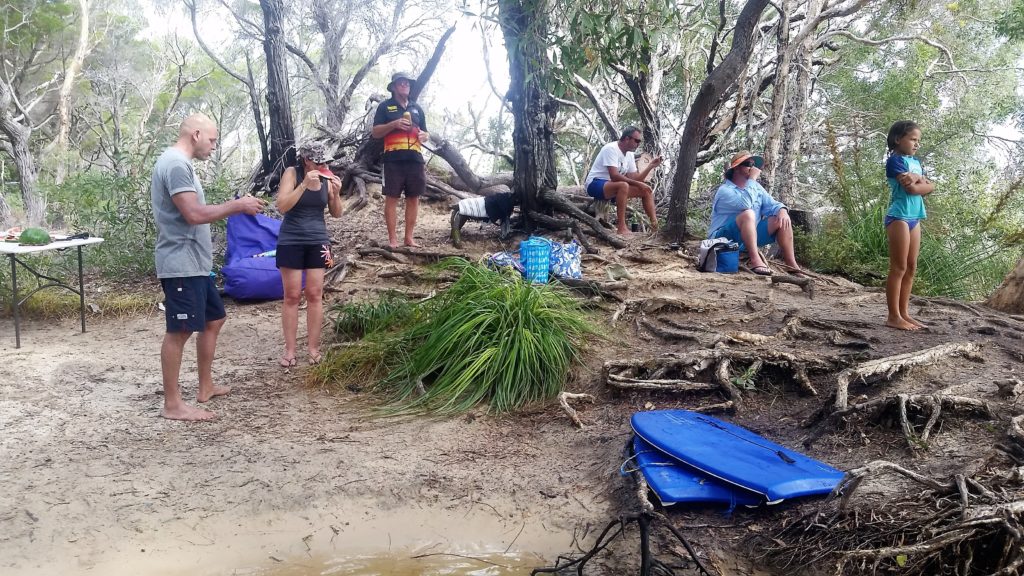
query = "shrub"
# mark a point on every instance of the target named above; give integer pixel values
(489, 338)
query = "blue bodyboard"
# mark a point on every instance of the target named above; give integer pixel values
(676, 483)
(735, 455)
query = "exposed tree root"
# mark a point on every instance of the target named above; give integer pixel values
(563, 400)
(679, 372)
(885, 368)
(959, 526)
(594, 288)
(649, 565)
(805, 284)
(562, 204)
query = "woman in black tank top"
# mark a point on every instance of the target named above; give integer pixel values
(303, 245)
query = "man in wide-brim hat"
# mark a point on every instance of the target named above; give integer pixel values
(745, 213)
(402, 125)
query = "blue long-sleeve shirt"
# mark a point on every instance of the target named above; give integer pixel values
(730, 200)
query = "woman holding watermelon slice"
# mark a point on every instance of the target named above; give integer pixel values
(303, 245)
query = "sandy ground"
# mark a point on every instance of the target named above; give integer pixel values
(294, 480)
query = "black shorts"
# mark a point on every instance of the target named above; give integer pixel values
(408, 176)
(191, 302)
(304, 256)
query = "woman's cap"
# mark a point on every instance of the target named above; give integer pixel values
(315, 152)
(741, 157)
(401, 76)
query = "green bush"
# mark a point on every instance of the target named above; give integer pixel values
(489, 338)
(116, 208)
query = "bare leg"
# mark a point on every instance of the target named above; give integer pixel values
(899, 246)
(785, 239)
(291, 278)
(908, 277)
(391, 219)
(170, 364)
(746, 221)
(206, 349)
(314, 311)
(620, 192)
(412, 210)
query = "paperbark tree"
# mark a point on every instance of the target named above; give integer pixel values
(282, 132)
(1009, 297)
(716, 83)
(524, 24)
(29, 75)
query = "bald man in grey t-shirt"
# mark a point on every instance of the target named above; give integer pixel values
(184, 259)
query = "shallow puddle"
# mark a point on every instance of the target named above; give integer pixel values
(436, 564)
(466, 539)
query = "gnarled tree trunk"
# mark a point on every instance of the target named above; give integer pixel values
(524, 24)
(17, 136)
(1009, 297)
(282, 132)
(711, 90)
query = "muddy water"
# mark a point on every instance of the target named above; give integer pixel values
(460, 540)
(410, 565)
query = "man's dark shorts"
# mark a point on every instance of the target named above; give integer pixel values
(304, 256)
(408, 176)
(191, 302)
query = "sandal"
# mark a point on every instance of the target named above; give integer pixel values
(315, 359)
(288, 362)
(761, 270)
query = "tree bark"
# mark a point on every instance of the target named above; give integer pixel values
(796, 112)
(711, 89)
(17, 136)
(282, 132)
(1009, 297)
(60, 143)
(524, 24)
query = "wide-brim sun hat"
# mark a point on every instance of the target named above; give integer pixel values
(741, 157)
(315, 152)
(401, 76)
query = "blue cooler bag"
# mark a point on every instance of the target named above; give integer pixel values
(535, 254)
(727, 257)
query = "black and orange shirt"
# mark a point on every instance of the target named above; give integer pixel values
(401, 146)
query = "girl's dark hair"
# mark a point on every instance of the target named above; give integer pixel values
(899, 130)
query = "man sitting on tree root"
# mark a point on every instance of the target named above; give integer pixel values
(745, 213)
(614, 177)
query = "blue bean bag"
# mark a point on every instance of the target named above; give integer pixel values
(247, 277)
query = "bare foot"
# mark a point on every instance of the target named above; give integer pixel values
(188, 413)
(393, 243)
(915, 322)
(411, 243)
(901, 324)
(217, 391)
(624, 232)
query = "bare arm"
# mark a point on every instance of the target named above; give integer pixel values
(916, 184)
(334, 205)
(643, 174)
(289, 192)
(616, 176)
(196, 213)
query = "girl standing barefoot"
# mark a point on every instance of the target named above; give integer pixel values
(908, 186)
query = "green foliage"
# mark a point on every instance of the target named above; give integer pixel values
(959, 256)
(1011, 23)
(489, 338)
(116, 208)
(354, 320)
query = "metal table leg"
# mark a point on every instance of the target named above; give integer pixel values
(81, 291)
(14, 302)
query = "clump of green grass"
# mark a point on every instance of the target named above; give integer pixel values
(489, 338)
(55, 303)
(353, 320)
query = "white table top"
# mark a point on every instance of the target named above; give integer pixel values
(15, 248)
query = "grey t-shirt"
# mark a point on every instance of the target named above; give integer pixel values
(182, 249)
